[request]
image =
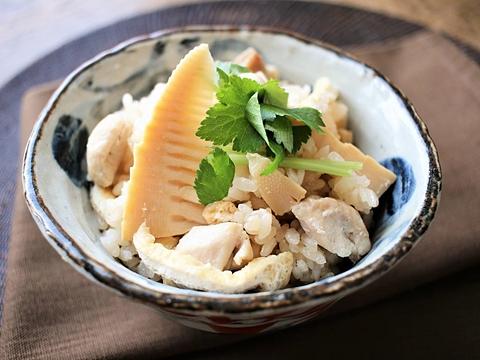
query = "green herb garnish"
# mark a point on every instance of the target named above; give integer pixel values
(226, 121)
(214, 176)
(230, 68)
(253, 118)
(309, 116)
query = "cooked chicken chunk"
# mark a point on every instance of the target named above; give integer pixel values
(335, 225)
(106, 147)
(265, 273)
(214, 244)
(251, 59)
(107, 206)
(277, 190)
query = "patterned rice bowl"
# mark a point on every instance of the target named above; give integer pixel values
(385, 124)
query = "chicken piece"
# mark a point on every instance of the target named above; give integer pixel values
(214, 244)
(106, 147)
(251, 59)
(335, 225)
(167, 156)
(219, 211)
(265, 273)
(107, 206)
(380, 177)
(276, 189)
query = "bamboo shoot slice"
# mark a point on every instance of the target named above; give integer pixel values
(277, 190)
(167, 157)
(380, 177)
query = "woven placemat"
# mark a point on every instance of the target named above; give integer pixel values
(341, 26)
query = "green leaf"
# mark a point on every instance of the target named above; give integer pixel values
(301, 134)
(279, 156)
(231, 68)
(282, 131)
(225, 69)
(214, 177)
(227, 122)
(254, 116)
(223, 76)
(237, 91)
(274, 94)
(248, 141)
(309, 116)
(267, 113)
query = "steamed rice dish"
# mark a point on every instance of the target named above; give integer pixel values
(228, 179)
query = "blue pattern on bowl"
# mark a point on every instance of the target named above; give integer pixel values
(69, 146)
(401, 191)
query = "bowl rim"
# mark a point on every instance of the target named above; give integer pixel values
(320, 291)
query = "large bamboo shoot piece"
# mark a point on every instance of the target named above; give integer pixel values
(380, 177)
(166, 159)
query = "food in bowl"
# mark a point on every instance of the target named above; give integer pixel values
(226, 179)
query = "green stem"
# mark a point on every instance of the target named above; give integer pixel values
(331, 167)
(237, 158)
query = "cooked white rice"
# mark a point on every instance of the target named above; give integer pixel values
(311, 262)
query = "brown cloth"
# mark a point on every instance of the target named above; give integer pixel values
(52, 312)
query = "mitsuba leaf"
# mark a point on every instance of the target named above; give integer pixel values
(309, 116)
(227, 122)
(214, 177)
(301, 134)
(282, 131)
(230, 68)
(254, 116)
(274, 94)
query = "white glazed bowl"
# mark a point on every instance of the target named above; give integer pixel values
(384, 123)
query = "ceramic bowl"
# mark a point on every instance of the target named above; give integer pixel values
(385, 124)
